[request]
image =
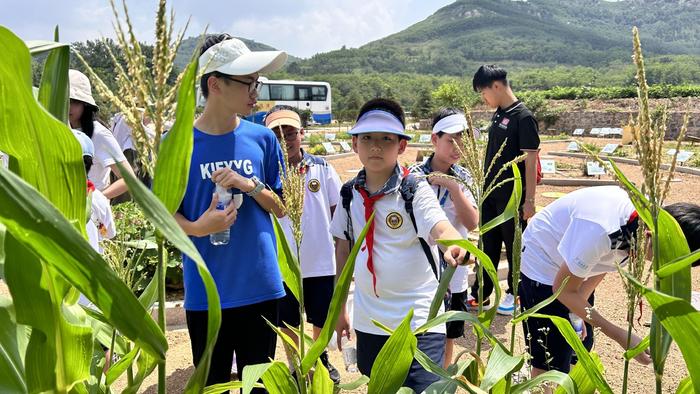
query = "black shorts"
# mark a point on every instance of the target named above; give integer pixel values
(458, 302)
(318, 292)
(430, 343)
(546, 345)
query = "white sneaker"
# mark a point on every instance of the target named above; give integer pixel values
(507, 305)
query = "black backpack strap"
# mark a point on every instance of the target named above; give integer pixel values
(346, 198)
(409, 185)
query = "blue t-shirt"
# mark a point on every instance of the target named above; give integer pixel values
(245, 270)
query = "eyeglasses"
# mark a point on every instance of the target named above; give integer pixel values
(255, 85)
(288, 136)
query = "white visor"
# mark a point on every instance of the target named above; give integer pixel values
(452, 124)
(378, 121)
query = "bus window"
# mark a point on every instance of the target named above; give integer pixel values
(303, 93)
(282, 92)
(264, 93)
(318, 93)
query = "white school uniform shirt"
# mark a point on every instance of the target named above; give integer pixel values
(106, 151)
(460, 280)
(405, 279)
(581, 230)
(122, 132)
(321, 192)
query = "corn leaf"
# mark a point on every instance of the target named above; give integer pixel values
(11, 363)
(164, 222)
(678, 264)
(541, 304)
(361, 381)
(405, 390)
(118, 368)
(685, 387)
(251, 375)
(288, 263)
(583, 382)
(278, 380)
(175, 151)
(222, 387)
(512, 208)
(322, 383)
(340, 293)
(584, 357)
(635, 351)
(500, 365)
(681, 320)
(438, 299)
(145, 364)
(391, 366)
(459, 316)
(53, 88)
(566, 384)
(430, 366)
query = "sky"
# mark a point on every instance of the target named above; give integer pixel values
(300, 27)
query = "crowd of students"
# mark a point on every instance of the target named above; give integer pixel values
(581, 236)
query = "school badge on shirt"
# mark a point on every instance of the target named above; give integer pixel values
(394, 220)
(314, 185)
(504, 123)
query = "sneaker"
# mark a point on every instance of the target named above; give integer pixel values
(332, 371)
(473, 304)
(507, 305)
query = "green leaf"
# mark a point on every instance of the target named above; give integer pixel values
(118, 368)
(289, 266)
(439, 298)
(542, 303)
(512, 207)
(11, 363)
(159, 216)
(681, 320)
(251, 375)
(405, 390)
(583, 382)
(278, 380)
(44, 231)
(448, 386)
(459, 316)
(340, 293)
(584, 357)
(40, 46)
(430, 366)
(678, 264)
(150, 293)
(486, 316)
(500, 365)
(175, 151)
(2, 251)
(566, 384)
(221, 387)
(635, 351)
(53, 88)
(391, 366)
(685, 387)
(286, 338)
(145, 364)
(322, 383)
(361, 381)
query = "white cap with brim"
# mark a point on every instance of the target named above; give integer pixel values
(379, 121)
(232, 57)
(86, 144)
(80, 88)
(453, 124)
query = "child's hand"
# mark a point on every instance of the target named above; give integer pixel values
(439, 179)
(229, 178)
(342, 327)
(214, 220)
(454, 255)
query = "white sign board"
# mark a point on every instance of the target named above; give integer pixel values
(683, 156)
(594, 168)
(595, 131)
(671, 152)
(345, 146)
(328, 147)
(578, 132)
(424, 138)
(609, 148)
(4, 160)
(616, 131)
(548, 166)
(330, 136)
(573, 147)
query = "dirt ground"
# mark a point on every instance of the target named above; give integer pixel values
(610, 298)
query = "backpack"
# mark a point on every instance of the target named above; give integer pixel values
(407, 189)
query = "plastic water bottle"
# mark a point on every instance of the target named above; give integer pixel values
(577, 323)
(349, 355)
(225, 195)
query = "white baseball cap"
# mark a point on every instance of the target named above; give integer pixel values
(232, 57)
(80, 88)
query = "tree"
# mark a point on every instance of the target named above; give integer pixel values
(423, 106)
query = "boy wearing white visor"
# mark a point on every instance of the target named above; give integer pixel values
(395, 270)
(243, 158)
(459, 205)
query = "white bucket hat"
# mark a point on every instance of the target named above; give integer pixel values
(80, 88)
(232, 57)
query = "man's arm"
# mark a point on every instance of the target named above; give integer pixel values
(530, 183)
(211, 221)
(454, 255)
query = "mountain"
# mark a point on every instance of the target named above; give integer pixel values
(520, 35)
(188, 46)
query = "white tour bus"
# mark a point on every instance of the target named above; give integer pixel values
(304, 95)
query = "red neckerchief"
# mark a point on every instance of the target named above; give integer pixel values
(90, 187)
(369, 238)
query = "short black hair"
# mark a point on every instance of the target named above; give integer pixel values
(688, 217)
(209, 42)
(386, 105)
(283, 107)
(87, 161)
(443, 113)
(487, 74)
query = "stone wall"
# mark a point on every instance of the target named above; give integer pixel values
(578, 119)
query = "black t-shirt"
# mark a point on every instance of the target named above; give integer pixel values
(518, 128)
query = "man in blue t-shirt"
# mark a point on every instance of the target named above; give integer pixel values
(245, 158)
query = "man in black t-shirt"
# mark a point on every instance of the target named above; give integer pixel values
(514, 125)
